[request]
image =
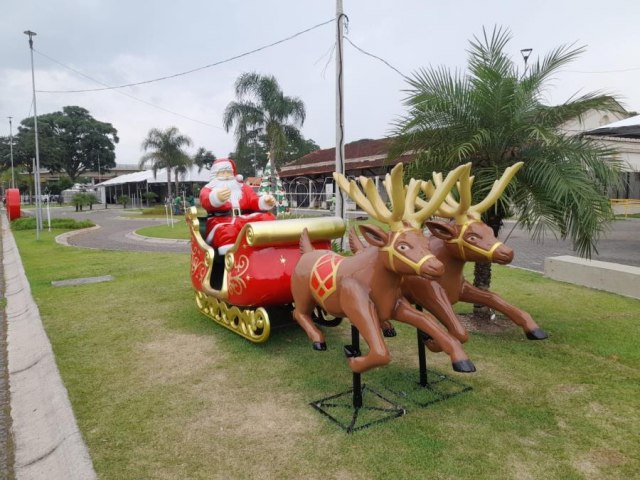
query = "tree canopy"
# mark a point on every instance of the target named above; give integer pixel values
(165, 149)
(69, 141)
(263, 115)
(254, 156)
(494, 115)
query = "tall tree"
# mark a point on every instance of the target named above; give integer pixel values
(165, 149)
(203, 158)
(494, 116)
(262, 110)
(70, 141)
(254, 156)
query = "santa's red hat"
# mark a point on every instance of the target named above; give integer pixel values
(223, 164)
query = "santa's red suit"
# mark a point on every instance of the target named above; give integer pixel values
(227, 217)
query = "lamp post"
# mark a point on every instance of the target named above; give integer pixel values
(13, 179)
(35, 129)
(526, 53)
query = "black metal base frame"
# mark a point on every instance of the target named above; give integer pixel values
(356, 418)
(437, 388)
(431, 387)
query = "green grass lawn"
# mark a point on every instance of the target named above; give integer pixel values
(178, 230)
(161, 392)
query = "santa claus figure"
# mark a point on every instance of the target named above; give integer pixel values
(231, 204)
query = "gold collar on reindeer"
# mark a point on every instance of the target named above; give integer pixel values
(462, 243)
(390, 249)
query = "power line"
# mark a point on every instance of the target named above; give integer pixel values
(291, 37)
(377, 58)
(127, 95)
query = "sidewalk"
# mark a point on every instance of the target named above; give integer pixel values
(48, 443)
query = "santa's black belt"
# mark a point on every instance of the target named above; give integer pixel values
(229, 213)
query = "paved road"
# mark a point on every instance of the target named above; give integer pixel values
(116, 230)
(620, 245)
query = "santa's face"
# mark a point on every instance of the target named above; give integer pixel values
(226, 179)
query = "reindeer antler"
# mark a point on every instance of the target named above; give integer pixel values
(450, 208)
(370, 200)
(403, 201)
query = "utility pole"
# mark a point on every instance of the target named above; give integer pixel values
(35, 129)
(13, 179)
(340, 210)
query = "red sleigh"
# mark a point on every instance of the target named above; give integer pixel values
(252, 281)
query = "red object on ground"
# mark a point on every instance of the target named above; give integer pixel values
(13, 203)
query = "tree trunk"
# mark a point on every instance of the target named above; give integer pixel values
(482, 280)
(168, 183)
(482, 270)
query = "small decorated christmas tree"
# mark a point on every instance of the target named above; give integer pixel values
(271, 183)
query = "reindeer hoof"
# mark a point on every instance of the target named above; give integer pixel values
(389, 332)
(320, 346)
(464, 366)
(537, 334)
(351, 352)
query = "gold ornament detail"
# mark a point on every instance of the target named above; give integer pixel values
(235, 281)
(248, 323)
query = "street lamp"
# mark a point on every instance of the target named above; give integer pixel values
(35, 129)
(526, 53)
(13, 180)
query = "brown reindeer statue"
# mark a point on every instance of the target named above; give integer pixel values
(367, 288)
(465, 239)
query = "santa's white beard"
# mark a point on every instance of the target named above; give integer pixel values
(232, 184)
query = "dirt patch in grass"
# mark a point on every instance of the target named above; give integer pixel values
(495, 325)
(592, 464)
(175, 356)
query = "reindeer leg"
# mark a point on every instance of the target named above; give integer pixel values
(427, 324)
(361, 311)
(471, 294)
(433, 297)
(302, 314)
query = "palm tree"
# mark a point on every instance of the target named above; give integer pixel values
(494, 116)
(203, 158)
(166, 151)
(262, 110)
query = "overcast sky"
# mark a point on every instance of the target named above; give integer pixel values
(117, 42)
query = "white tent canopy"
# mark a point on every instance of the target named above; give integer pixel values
(191, 175)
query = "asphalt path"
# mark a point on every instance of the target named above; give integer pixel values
(620, 244)
(116, 230)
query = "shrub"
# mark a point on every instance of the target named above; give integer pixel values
(123, 200)
(149, 197)
(29, 223)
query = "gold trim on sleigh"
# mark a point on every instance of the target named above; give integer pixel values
(248, 323)
(252, 324)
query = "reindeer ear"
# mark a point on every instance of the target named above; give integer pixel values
(441, 230)
(374, 235)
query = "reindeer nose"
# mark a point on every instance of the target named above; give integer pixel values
(433, 268)
(503, 255)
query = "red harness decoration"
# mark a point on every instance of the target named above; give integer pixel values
(323, 276)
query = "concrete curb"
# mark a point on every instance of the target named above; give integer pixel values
(160, 241)
(63, 238)
(48, 443)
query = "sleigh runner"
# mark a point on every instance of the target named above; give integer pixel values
(253, 279)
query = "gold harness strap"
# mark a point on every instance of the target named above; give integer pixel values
(323, 276)
(393, 253)
(462, 243)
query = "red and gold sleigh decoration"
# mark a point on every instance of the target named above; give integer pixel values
(255, 273)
